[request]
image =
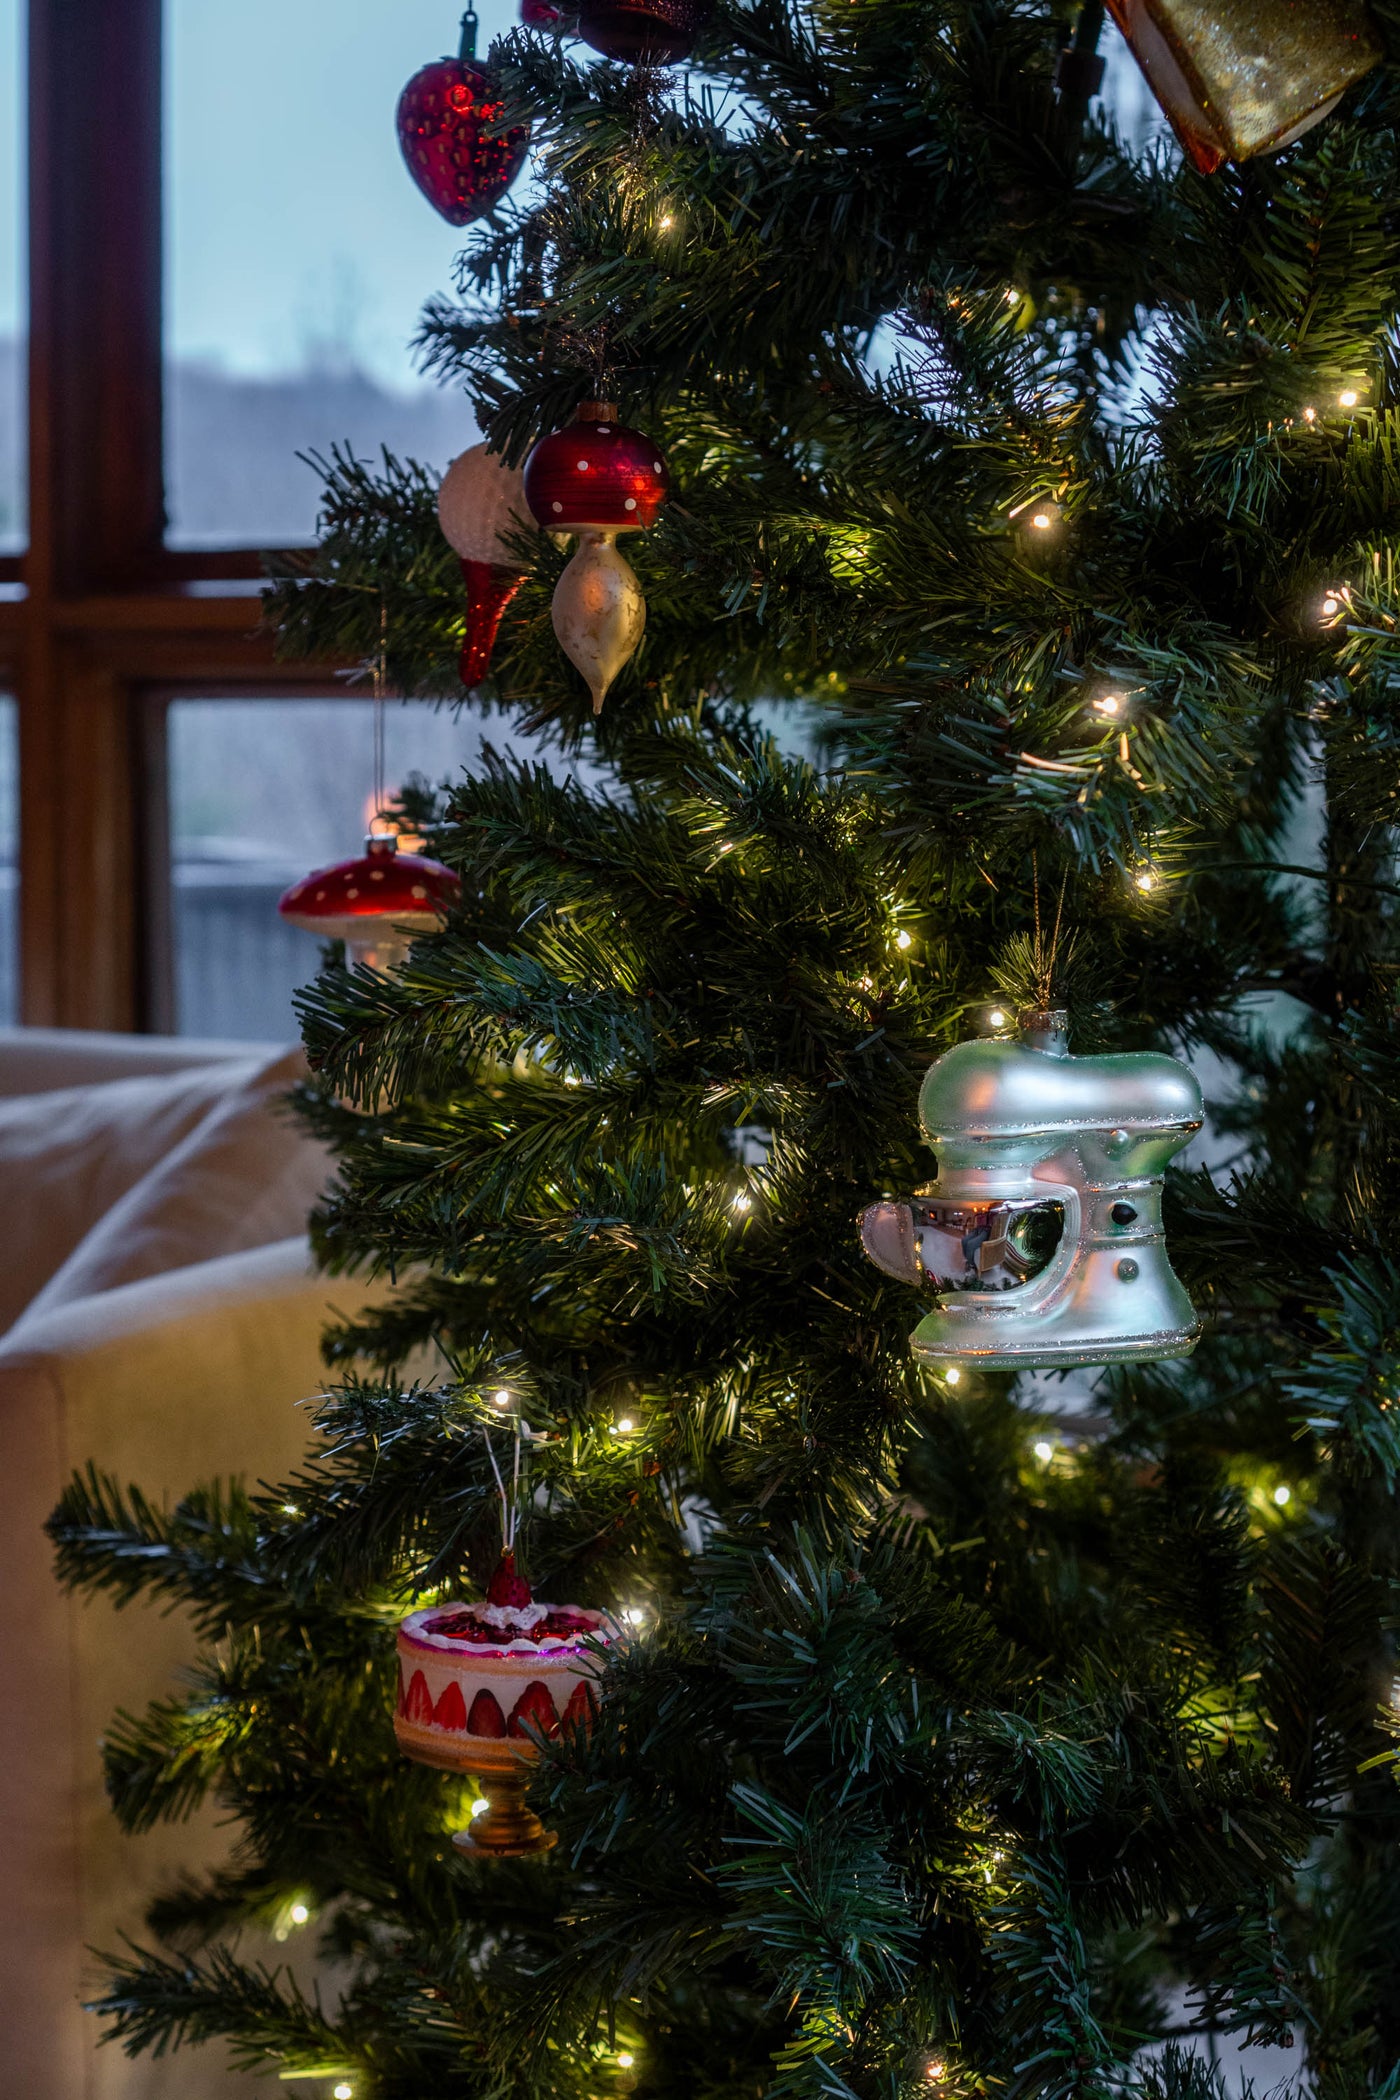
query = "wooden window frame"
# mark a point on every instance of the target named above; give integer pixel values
(99, 615)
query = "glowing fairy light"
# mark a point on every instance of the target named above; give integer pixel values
(299, 1914)
(666, 222)
(625, 2059)
(1042, 520)
(997, 1017)
(742, 1203)
(633, 1616)
(625, 1426)
(1331, 604)
(344, 2091)
(1044, 1450)
(501, 1397)
(1348, 397)
(952, 1376)
(1309, 415)
(1283, 1495)
(1145, 880)
(289, 1509)
(903, 939)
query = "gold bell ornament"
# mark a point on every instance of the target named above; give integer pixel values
(597, 478)
(1247, 76)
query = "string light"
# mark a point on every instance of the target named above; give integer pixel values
(626, 1426)
(289, 1509)
(1331, 605)
(1309, 415)
(344, 2091)
(1347, 397)
(1283, 1495)
(952, 1376)
(742, 1203)
(625, 2059)
(903, 939)
(1044, 1451)
(1042, 520)
(299, 1914)
(633, 1616)
(1145, 880)
(666, 223)
(935, 2069)
(1109, 703)
(997, 1017)
(501, 1397)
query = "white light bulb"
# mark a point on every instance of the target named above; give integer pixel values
(903, 940)
(1145, 879)
(626, 1426)
(626, 2059)
(1283, 1495)
(666, 223)
(1044, 1451)
(997, 1017)
(633, 1616)
(1042, 521)
(1109, 704)
(289, 1509)
(1331, 606)
(1347, 397)
(934, 2069)
(299, 1914)
(344, 2091)
(501, 1397)
(1309, 415)
(952, 1376)
(742, 1203)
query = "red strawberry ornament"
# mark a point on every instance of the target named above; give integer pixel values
(508, 1589)
(446, 118)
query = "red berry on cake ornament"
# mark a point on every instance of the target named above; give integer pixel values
(476, 1679)
(539, 14)
(597, 478)
(446, 120)
(376, 903)
(642, 32)
(481, 500)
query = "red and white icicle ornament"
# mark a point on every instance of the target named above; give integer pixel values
(597, 478)
(476, 1679)
(480, 502)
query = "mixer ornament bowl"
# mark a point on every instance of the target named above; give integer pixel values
(476, 1679)
(1042, 1232)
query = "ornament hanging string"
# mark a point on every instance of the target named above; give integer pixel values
(380, 684)
(1045, 960)
(510, 1502)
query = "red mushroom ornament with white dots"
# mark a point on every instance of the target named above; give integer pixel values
(376, 903)
(597, 478)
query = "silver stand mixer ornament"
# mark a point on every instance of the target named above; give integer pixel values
(1042, 1233)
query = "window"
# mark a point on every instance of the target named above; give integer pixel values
(298, 256)
(261, 792)
(225, 260)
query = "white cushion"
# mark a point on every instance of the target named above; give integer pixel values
(242, 1177)
(37, 1060)
(68, 1155)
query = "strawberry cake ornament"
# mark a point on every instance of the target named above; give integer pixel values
(597, 478)
(480, 1683)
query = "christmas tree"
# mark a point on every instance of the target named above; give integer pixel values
(964, 1729)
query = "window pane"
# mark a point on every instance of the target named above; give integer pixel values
(261, 792)
(13, 505)
(299, 254)
(9, 862)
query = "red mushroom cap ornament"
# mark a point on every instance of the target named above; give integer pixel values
(376, 903)
(597, 478)
(446, 120)
(480, 501)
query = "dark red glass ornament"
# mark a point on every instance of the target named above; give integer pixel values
(445, 120)
(595, 471)
(642, 32)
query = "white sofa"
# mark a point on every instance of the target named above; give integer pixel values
(193, 1367)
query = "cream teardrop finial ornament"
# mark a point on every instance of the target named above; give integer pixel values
(599, 611)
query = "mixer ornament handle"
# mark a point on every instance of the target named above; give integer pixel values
(887, 1235)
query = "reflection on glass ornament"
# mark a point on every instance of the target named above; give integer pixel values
(478, 1683)
(1251, 77)
(642, 32)
(376, 903)
(480, 502)
(597, 478)
(1042, 1234)
(447, 118)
